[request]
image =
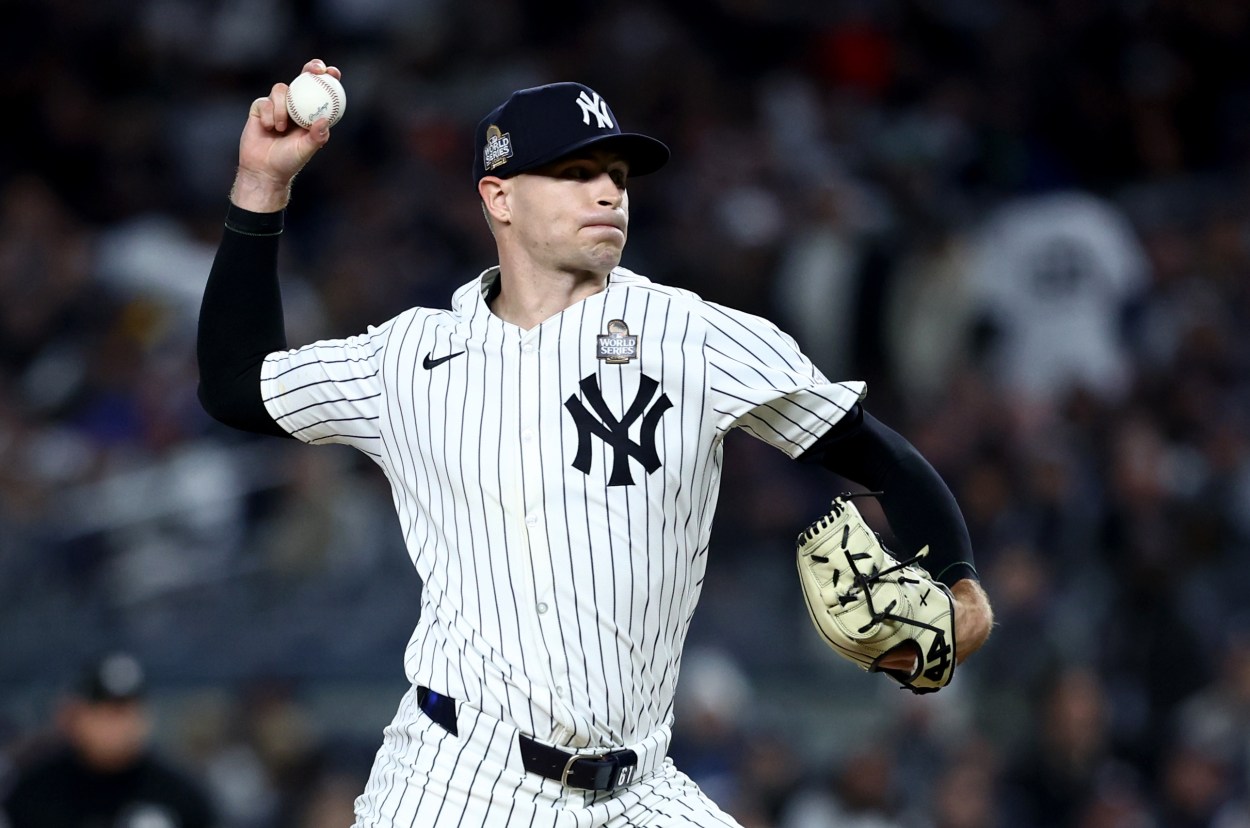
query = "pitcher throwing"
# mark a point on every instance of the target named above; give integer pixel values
(553, 443)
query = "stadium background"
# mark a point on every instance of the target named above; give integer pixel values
(875, 176)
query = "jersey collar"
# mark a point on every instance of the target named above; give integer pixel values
(485, 287)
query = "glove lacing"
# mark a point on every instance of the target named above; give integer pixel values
(862, 580)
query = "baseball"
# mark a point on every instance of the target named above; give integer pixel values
(310, 97)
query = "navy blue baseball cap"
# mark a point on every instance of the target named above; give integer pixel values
(545, 123)
(117, 677)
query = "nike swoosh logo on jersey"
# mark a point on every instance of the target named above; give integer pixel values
(428, 363)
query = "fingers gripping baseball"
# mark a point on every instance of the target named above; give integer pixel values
(272, 148)
(271, 145)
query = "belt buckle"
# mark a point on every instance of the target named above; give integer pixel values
(568, 768)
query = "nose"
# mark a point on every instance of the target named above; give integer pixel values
(606, 191)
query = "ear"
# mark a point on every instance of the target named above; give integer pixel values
(494, 192)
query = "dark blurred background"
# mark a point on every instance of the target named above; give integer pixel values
(1023, 222)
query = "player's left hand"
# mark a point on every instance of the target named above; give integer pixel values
(884, 614)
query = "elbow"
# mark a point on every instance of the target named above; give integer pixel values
(223, 406)
(238, 406)
(212, 403)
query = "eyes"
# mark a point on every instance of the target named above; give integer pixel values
(580, 170)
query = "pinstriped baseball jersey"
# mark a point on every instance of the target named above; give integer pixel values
(556, 486)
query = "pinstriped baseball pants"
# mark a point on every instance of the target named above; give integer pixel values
(424, 777)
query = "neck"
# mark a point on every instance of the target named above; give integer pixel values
(527, 298)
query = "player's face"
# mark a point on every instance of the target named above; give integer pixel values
(573, 215)
(108, 735)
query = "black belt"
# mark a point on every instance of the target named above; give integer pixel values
(597, 772)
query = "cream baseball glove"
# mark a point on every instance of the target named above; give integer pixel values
(865, 603)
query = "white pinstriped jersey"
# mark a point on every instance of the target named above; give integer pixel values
(556, 486)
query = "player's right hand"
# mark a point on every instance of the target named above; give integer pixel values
(273, 149)
(974, 618)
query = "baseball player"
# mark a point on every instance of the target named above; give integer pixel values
(553, 443)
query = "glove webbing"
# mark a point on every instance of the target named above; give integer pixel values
(866, 581)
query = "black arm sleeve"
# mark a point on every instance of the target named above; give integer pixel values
(241, 321)
(916, 501)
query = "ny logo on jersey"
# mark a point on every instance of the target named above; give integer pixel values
(615, 432)
(595, 106)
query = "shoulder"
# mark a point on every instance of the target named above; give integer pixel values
(686, 300)
(623, 277)
(403, 323)
(724, 329)
(45, 760)
(42, 775)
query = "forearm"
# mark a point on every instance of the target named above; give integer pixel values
(916, 501)
(921, 511)
(241, 321)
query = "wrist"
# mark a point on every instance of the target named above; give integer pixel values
(259, 193)
(249, 223)
(974, 618)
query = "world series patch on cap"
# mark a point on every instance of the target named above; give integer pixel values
(543, 124)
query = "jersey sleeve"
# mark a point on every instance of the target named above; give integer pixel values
(760, 381)
(329, 391)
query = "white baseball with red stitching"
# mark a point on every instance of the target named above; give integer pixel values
(311, 97)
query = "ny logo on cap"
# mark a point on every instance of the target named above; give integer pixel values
(596, 106)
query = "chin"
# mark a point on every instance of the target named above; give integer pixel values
(604, 261)
(609, 266)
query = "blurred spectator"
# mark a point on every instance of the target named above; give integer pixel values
(713, 717)
(1027, 648)
(1054, 275)
(1197, 789)
(816, 285)
(106, 772)
(1215, 720)
(329, 803)
(929, 314)
(1070, 756)
(771, 771)
(1120, 801)
(965, 791)
(860, 793)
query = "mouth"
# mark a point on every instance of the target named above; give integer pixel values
(609, 222)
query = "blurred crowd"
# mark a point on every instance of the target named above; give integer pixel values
(1025, 224)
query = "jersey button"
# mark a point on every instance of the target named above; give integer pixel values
(527, 435)
(527, 348)
(532, 520)
(542, 609)
(560, 692)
